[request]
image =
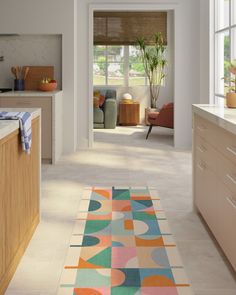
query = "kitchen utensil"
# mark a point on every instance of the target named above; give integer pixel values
(26, 71)
(18, 70)
(13, 70)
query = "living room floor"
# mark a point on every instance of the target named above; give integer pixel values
(122, 157)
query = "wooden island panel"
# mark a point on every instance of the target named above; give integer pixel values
(19, 200)
(2, 217)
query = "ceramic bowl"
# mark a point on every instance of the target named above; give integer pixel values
(48, 86)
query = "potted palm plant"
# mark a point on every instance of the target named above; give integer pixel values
(231, 86)
(154, 62)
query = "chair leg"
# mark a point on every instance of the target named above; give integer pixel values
(149, 131)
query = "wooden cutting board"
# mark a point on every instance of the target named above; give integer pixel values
(36, 74)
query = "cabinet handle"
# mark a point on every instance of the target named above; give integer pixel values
(201, 167)
(201, 149)
(232, 201)
(201, 128)
(231, 178)
(231, 150)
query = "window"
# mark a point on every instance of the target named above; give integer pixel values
(118, 65)
(225, 40)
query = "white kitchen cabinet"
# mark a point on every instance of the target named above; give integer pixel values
(214, 178)
(51, 114)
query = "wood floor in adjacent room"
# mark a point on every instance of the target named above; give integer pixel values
(122, 157)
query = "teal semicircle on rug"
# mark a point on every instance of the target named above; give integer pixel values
(117, 244)
(90, 241)
(94, 205)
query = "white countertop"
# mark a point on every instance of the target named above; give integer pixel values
(29, 93)
(8, 126)
(222, 116)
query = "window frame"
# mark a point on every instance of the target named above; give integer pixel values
(217, 32)
(126, 69)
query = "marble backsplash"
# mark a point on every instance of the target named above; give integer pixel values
(33, 50)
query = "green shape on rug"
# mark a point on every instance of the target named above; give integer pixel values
(143, 216)
(103, 258)
(93, 278)
(125, 290)
(120, 194)
(93, 226)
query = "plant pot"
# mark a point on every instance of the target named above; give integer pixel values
(147, 111)
(231, 100)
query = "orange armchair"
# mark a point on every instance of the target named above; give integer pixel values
(163, 118)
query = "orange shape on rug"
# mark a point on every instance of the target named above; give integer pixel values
(123, 205)
(157, 281)
(117, 277)
(140, 197)
(149, 243)
(104, 193)
(86, 264)
(129, 225)
(86, 291)
(92, 216)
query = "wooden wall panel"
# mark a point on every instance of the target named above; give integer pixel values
(2, 214)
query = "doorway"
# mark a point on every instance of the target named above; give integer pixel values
(168, 93)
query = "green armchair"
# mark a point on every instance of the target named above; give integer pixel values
(105, 116)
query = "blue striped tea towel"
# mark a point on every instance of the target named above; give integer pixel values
(25, 126)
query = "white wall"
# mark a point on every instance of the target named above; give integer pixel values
(33, 50)
(206, 51)
(187, 59)
(49, 17)
(205, 48)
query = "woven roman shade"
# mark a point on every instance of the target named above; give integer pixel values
(123, 28)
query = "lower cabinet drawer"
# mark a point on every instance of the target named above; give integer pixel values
(226, 172)
(227, 144)
(205, 129)
(204, 152)
(205, 194)
(227, 223)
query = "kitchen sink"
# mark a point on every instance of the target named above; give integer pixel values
(2, 90)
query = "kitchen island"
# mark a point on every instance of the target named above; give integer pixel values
(19, 193)
(214, 172)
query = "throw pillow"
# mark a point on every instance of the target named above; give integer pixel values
(96, 102)
(101, 100)
(96, 93)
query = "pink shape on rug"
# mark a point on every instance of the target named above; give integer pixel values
(92, 291)
(159, 291)
(146, 209)
(122, 255)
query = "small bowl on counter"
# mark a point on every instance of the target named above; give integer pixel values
(48, 86)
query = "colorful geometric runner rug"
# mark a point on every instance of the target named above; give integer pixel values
(122, 245)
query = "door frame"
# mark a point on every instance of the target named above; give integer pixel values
(126, 7)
